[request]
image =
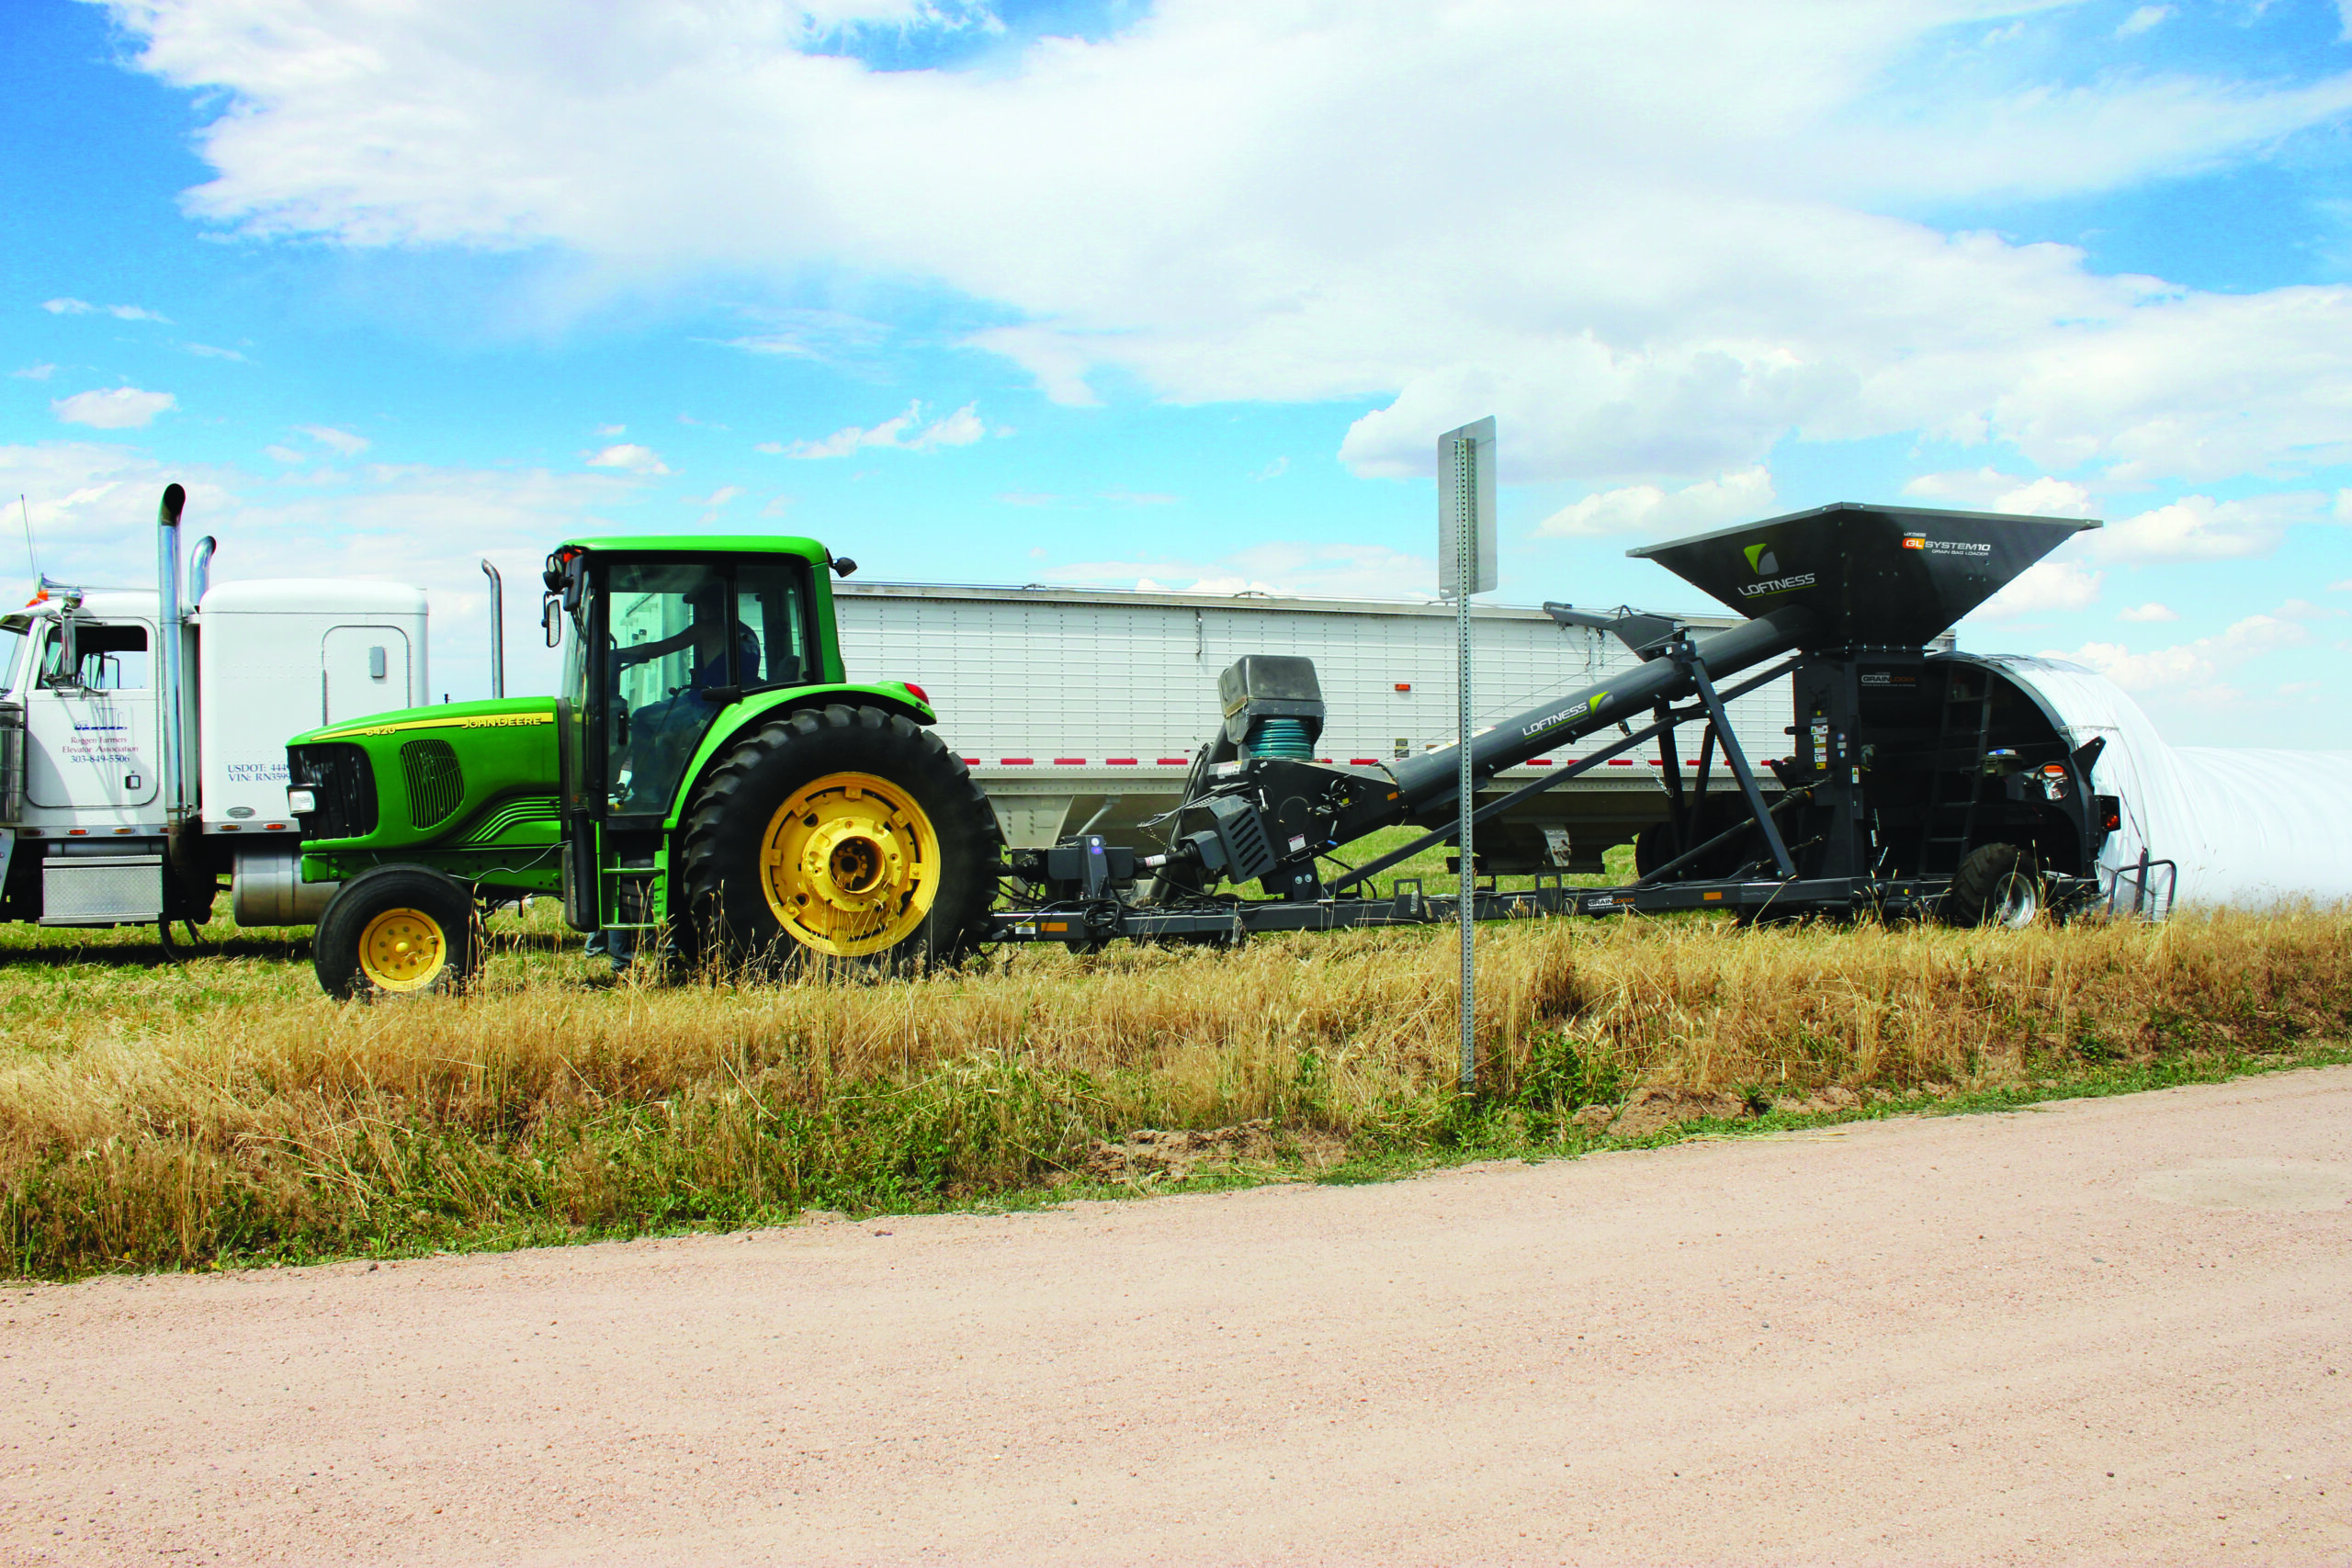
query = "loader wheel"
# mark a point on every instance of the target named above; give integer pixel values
(397, 930)
(844, 834)
(1996, 884)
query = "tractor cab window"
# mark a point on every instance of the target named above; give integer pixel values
(106, 659)
(682, 639)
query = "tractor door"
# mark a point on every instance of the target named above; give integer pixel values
(680, 639)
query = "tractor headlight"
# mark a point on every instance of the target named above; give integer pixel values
(301, 802)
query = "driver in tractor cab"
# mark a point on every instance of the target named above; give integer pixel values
(663, 733)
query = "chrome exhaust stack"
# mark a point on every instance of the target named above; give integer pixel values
(170, 626)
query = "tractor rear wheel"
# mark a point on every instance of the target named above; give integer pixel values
(1996, 884)
(397, 930)
(844, 835)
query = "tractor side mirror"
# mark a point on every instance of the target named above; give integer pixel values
(552, 620)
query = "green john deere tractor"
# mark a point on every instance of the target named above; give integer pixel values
(707, 775)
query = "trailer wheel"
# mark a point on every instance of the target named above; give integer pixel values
(1996, 884)
(847, 834)
(397, 930)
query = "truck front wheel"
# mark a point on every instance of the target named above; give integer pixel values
(397, 930)
(844, 834)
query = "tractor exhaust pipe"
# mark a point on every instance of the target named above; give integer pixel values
(497, 630)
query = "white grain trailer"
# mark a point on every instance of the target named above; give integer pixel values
(1074, 704)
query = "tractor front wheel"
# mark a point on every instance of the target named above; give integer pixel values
(842, 834)
(397, 930)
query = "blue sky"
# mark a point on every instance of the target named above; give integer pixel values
(1182, 294)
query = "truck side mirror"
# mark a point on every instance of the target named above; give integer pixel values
(61, 671)
(552, 620)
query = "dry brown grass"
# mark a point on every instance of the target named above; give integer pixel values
(272, 1121)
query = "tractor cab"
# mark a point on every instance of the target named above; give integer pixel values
(663, 642)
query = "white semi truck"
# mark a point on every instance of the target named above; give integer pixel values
(142, 735)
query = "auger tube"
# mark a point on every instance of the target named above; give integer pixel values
(1428, 782)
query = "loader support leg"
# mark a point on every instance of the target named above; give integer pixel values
(1738, 759)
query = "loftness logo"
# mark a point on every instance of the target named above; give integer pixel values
(1765, 564)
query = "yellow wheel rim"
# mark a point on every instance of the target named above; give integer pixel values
(849, 864)
(403, 950)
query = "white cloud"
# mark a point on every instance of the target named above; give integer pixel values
(115, 407)
(2046, 586)
(1989, 489)
(2197, 528)
(612, 430)
(719, 497)
(825, 336)
(2149, 612)
(2189, 665)
(341, 442)
(1649, 510)
(630, 458)
(2141, 21)
(1652, 241)
(71, 307)
(904, 433)
(1274, 470)
(285, 455)
(206, 351)
(35, 373)
(1137, 497)
(1283, 567)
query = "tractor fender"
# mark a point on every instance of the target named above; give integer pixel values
(750, 711)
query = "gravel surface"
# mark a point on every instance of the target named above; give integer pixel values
(2114, 1330)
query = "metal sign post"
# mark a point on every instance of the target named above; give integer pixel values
(1465, 487)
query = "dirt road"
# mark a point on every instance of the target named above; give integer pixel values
(2118, 1330)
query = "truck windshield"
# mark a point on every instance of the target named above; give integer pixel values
(680, 639)
(12, 650)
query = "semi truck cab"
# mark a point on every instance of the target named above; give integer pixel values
(87, 834)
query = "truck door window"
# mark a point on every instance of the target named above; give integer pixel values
(12, 650)
(106, 658)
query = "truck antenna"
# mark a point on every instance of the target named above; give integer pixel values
(28, 513)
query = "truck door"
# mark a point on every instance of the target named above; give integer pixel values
(90, 738)
(366, 671)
